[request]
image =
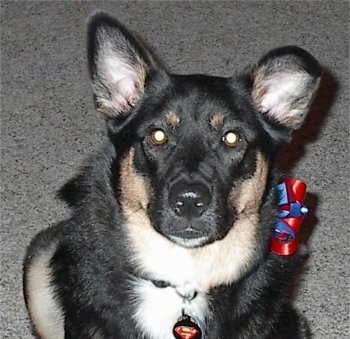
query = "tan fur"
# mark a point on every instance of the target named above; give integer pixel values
(217, 120)
(135, 189)
(247, 195)
(221, 262)
(258, 90)
(45, 312)
(173, 119)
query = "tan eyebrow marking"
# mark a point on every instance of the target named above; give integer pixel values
(217, 119)
(173, 119)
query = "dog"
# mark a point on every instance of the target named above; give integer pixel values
(171, 223)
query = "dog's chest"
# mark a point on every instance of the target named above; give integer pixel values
(157, 309)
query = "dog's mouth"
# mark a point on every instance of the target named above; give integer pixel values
(189, 242)
(192, 233)
(190, 237)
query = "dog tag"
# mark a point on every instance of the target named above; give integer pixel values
(187, 328)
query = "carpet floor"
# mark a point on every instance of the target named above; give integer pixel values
(48, 123)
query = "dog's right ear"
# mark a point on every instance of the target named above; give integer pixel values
(119, 65)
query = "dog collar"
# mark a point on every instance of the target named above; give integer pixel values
(291, 213)
(187, 326)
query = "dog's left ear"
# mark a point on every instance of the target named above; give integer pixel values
(283, 84)
(119, 65)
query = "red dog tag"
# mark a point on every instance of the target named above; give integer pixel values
(187, 328)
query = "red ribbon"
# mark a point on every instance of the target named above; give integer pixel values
(292, 211)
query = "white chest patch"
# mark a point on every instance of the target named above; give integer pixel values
(158, 309)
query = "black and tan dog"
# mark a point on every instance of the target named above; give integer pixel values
(171, 223)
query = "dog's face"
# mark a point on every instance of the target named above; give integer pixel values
(195, 147)
(195, 150)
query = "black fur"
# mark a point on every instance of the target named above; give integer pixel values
(93, 266)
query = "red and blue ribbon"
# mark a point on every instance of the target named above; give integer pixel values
(292, 194)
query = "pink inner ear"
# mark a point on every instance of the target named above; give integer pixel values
(125, 81)
(125, 92)
(279, 92)
(275, 100)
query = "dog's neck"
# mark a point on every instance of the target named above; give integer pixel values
(186, 291)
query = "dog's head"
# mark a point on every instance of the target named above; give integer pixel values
(195, 151)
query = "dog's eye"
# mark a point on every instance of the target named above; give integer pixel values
(158, 137)
(231, 139)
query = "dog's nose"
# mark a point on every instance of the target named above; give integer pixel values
(189, 200)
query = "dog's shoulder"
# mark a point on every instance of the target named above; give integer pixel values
(94, 172)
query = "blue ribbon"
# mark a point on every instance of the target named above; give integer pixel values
(283, 231)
